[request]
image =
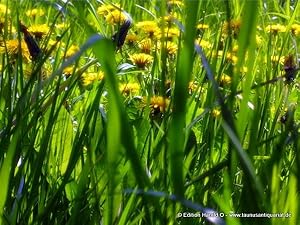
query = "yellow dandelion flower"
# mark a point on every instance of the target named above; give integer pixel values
(115, 17)
(169, 18)
(171, 33)
(158, 105)
(258, 40)
(4, 9)
(61, 26)
(68, 71)
(276, 59)
(216, 113)
(141, 60)
(131, 38)
(192, 86)
(149, 27)
(243, 70)
(295, 29)
(105, 9)
(129, 88)
(203, 43)
(91, 77)
(235, 48)
(12, 47)
(231, 58)
(232, 27)
(202, 26)
(275, 28)
(225, 80)
(72, 50)
(170, 47)
(39, 30)
(145, 45)
(175, 3)
(36, 12)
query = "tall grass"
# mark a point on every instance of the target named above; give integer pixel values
(201, 128)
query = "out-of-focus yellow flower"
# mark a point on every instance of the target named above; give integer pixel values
(275, 28)
(175, 3)
(149, 27)
(169, 18)
(105, 9)
(115, 17)
(68, 71)
(158, 105)
(231, 58)
(131, 38)
(170, 47)
(12, 47)
(295, 29)
(141, 60)
(203, 43)
(258, 40)
(225, 80)
(129, 88)
(36, 12)
(89, 78)
(276, 59)
(192, 87)
(168, 33)
(44, 73)
(61, 26)
(202, 26)
(39, 30)
(4, 9)
(72, 50)
(232, 27)
(216, 113)
(145, 45)
(113, 14)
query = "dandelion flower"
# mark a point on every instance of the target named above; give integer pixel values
(170, 47)
(91, 77)
(129, 88)
(203, 43)
(39, 30)
(175, 3)
(216, 113)
(106, 9)
(12, 47)
(295, 29)
(72, 50)
(232, 58)
(149, 27)
(68, 71)
(276, 59)
(169, 33)
(232, 27)
(145, 45)
(275, 28)
(225, 80)
(35, 12)
(192, 87)
(202, 26)
(158, 105)
(141, 60)
(115, 17)
(131, 39)
(4, 9)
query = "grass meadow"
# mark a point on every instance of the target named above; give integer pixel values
(149, 112)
